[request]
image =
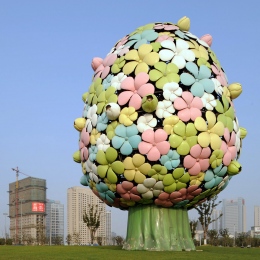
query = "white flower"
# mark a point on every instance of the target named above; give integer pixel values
(178, 54)
(147, 121)
(238, 139)
(92, 171)
(164, 109)
(103, 143)
(91, 118)
(117, 80)
(150, 188)
(209, 101)
(171, 91)
(218, 87)
(85, 110)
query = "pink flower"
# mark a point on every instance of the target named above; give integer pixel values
(136, 88)
(84, 138)
(166, 27)
(128, 191)
(228, 147)
(102, 67)
(189, 107)
(84, 154)
(122, 41)
(221, 77)
(164, 37)
(154, 144)
(198, 159)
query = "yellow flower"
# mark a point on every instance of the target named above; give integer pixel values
(127, 116)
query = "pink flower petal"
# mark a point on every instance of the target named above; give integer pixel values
(141, 79)
(204, 164)
(153, 154)
(124, 97)
(160, 136)
(205, 153)
(135, 101)
(233, 151)
(105, 72)
(145, 90)
(227, 159)
(232, 139)
(96, 61)
(128, 84)
(195, 151)
(163, 147)
(195, 169)
(184, 115)
(179, 104)
(110, 59)
(197, 102)
(148, 136)
(144, 147)
(194, 113)
(188, 161)
(187, 96)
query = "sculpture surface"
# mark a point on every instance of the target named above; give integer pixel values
(159, 132)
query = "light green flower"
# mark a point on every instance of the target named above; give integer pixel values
(183, 137)
(105, 97)
(227, 113)
(108, 166)
(176, 181)
(216, 158)
(118, 65)
(164, 73)
(111, 129)
(158, 172)
(94, 90)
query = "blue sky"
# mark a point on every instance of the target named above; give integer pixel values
(46, 48)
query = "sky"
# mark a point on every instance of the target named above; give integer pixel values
(46, 48)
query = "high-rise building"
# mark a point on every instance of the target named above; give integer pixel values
(54, 222)
(234, 215)
(27, 199)
(257, 216)
(216, 215)
(78, 201)
(108, 228)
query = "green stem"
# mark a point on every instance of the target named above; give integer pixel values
(158, 229)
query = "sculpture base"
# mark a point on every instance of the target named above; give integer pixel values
(158, 229)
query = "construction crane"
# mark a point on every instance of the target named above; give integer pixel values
(17, 201)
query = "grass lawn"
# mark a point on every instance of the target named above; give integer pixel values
(115, 253)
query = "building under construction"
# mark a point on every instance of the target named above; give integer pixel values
(27, 200)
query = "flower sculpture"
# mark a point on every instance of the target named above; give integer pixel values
(159, 132)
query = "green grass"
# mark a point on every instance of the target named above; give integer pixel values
(116, 253)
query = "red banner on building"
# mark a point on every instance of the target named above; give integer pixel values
(38, 207)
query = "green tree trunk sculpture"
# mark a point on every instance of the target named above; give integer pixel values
(158, 229)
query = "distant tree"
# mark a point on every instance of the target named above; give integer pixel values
(119, 240)
(241, 239)
(193, 227)
(9, 241)
(114, 240)
(57, 240)
(92, 220)
(76, 238)
(2, 241)
(225, 236)
(205, 210)
(41, 238)
(68, 239)
(99, 240)
(213, 236)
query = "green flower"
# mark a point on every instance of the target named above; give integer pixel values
(176, 181)
(183, 137)
(111, 129)
(105, 97)
(108, 166)
(140, 60)
(158, 172)
(227, 113)
(164, 73)
(216, 158)
(94, 90)
(118, 65)
(136, 168)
